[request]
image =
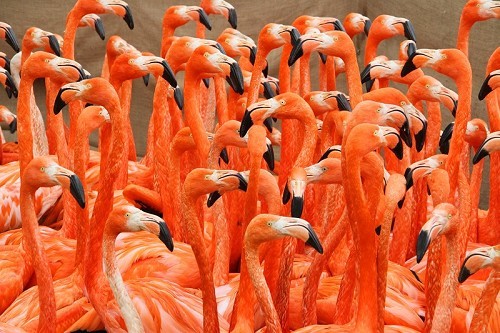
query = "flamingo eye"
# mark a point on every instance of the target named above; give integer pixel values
(427, 86)
(206, 55)
(323, 168)
(88, 86)
(375, 132)
(269, 224)
(443, 56)
(282, 102)
(187, 44)
(379, 110)
(127, 214)
(131, 62)
(42, 169)
(403, 103)
(335, 38)
(449, 216)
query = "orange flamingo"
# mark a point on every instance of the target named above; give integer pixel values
(11, 120)
(7, 34)
(93, 21)
(355, 23)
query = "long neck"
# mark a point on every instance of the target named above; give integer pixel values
(32, 244)
(192, 115)
(168, 31)
(193, 233)
(360, 219)
(485, 305)
(72, 22)
(309, 144)
(284, 74)
(463, 35)
(305, 77)
(258, 67)
(221, 100)
(129, 313)
(25, 135)
(371, 48)
(261, 289)
(464, 86)
(353, 79)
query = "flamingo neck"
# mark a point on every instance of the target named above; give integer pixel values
(484, 307)
(261, 290)
(353, 78)
(72, 22)
(192, 114)
(193, 233)
(284, 74)
(364, 239)
(221, 100)
(258, 67)
(305, 77)
(371, 48)
(32, 244)
(129, 313)
(309, 143)
(24, 132)
(464, 28)
(200, 30)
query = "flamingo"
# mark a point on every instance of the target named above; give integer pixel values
(11, 120)
(355, 23)
(8, 34)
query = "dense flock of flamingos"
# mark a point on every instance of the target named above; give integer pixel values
(201, 234)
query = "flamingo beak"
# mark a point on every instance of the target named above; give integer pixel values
(444, 141)
(269, 156)
(165, 236)
(145, 79)
(235, 78)
(365, 74)
(485, 87)
(430, 230)
(412, 48)
(409, 31)
(343, 102)
(253, 55)
(409, 66)
(75, 185)
(297, 51)
(10, 38)
(242, 185)
(204, 19)
(179, 97)
(323, 57)
(268, 91)
(54, 45)
(265, 71)
(128, 18)
(168, 74)
(206, 82)
(294, 36)
(59, 103)
(99, 28)
(420, 137)
(368, 25)
(7, 63)
(232, 18)
(13, 126)
(483, 150)
(10, 86)
(224, 156)
(477, 259)
(396, 148)
(220, 48)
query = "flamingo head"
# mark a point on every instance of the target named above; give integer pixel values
(267, 227)
(7, 116)
(356, 23)
(217, 182)
(406, 49)
(489, 145)
(490, 83)
(210, 62)
(43, 171)
(305, 22)
(295, 189)
(127, 218)
(118, 8)
(450, 62)
(35, 38)
(275, 35)
(4, 61)
(94, 116)
(476, 132)
(7, 33)
(483, 257)
(387, 26)
(221, 7)
(61, 70)
(93, 21)
(418, 125)
(332, 152)
(365, 138)
(330, 43)
(176, 16)
(481, 10)
(139, 65)
(326, 101)
(8, 82)
(97, 91)
(442, 222)
(423, 168)
(326, 171)
(236, 44)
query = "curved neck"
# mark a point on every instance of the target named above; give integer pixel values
(72, 22)
(463, 35)
(309, 144)
(193, 233)
(305, 78)
(353, 79)
(258, 67)
(261, 290)
(192, 115)
(129, 313)
(24, 133)
(284, 73)
(484, 307)
(32, 244)
(371, 48)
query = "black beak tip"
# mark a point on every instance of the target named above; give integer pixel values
(168, 74)
(378, 229)
(128, 18)
(365, 74)
(269, 124)
(398, 150)
(420, 139)
(59, 103)
(233, 18)
(480, 154)
(286, 195)
(268, 91)
(338, 26)
(166, 237)
(236, 79)
(243, 185)
(323, 58)
(12, 40)
(294, 36)
(485, 90)
(212, 198)
(246, 123)
(224, 156)
(204, 19)
(343, 103)
(179, 97)
(454, 111)
(401, 202)
(265, 71)
(269, 157)
(253, 54)
(409, 31)
(297, 206)
(206, 82)
(145, 79)
(76, 190)
(367, 27)
(464, 274)
(409, 66)
(99, 28)
(314, 242)
(412, 48)
(54, 45)
(295, 54)
(409, 178)
(369, 85)
(13, 126)
(422, 244)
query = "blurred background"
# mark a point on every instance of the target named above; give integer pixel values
(435, 23)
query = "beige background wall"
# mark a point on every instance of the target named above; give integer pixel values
(435, 23)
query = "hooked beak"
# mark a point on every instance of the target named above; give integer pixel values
(368, 25)
(179, 97)
(160, 227)
(60, 103)
(420, 137)
(99, 28)
(10, 86)
(242, 185)
(297, 50)
(430, 230)
(75, 186)
(165, 236)
(474, 261)
(327, 152)
(294, 36)
(54, 45)
(168, 74)
(323, 57)
(224, 156)
(265, 71)
(444, 141)
(397, 149)
(10, 38)
(485, 87)
(235, 78)
(13, 125)
(145, 79)
(269, 156)
(204, 19)
(409, 31)
(232, 18)
(268, 91)
(128, 17)
(483, 150)
(253, 55)
(409, 66)
(7, 62)
(412, 48)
